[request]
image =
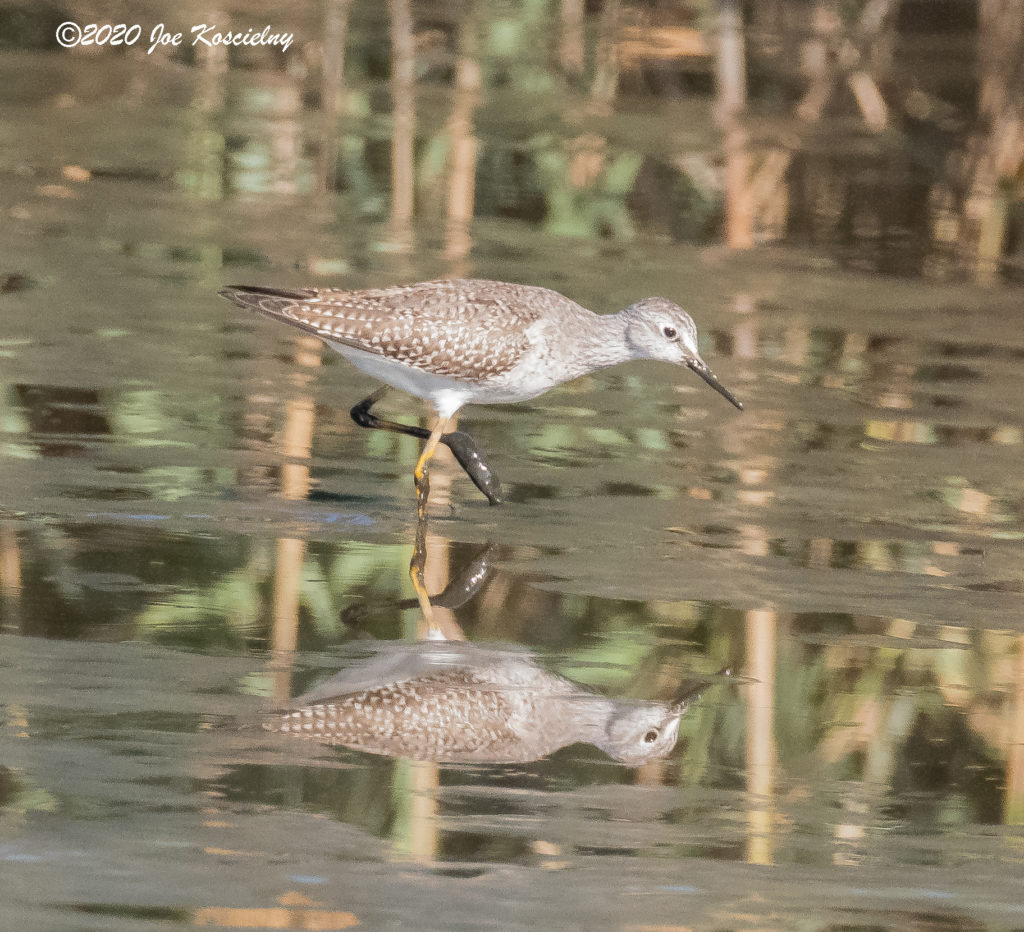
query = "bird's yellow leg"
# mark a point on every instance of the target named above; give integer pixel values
(420, 473)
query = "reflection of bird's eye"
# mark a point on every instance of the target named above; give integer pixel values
(670, 332)
(650, 737)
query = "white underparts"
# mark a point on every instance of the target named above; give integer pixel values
(444, 394)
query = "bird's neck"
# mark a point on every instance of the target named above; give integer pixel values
(605, 343)
(586, 718)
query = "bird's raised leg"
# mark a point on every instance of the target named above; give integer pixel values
(459, 442)
(360, 413)
(470, 458)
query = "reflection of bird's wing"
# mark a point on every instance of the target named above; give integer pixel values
(459, 328)
(455, 715)
(392, 664)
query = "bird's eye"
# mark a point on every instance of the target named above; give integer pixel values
(650, 737)
(669, 332)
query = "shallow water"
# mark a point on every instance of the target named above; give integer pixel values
(193, 532)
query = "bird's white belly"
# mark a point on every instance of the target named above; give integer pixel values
(445, 394)
(532, 376)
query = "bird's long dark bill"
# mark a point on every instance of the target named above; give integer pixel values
(708, 376)
(690, 692)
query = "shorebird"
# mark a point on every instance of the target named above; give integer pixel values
(461, 341)
(460, 702)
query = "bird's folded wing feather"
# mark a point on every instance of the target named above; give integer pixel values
(459, 328)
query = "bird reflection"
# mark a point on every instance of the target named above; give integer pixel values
(463, 586)
(456, 702)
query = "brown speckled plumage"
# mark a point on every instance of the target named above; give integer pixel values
(459, 328)
(460, 702)
(440, 717)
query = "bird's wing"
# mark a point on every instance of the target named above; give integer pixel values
(459, 328)
(394, 662)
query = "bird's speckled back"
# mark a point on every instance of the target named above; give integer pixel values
(470, 329)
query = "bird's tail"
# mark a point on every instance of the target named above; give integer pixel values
(290, 306)
(268, 300)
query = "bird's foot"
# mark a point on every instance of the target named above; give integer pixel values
(469, 457)
(463, 447)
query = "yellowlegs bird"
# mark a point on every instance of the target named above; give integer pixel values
(452, 701)
(461, 341)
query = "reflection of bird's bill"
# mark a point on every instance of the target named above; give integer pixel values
(701, 368)
(690, 692)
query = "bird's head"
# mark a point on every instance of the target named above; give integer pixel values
(640, 733)
(658, 329)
